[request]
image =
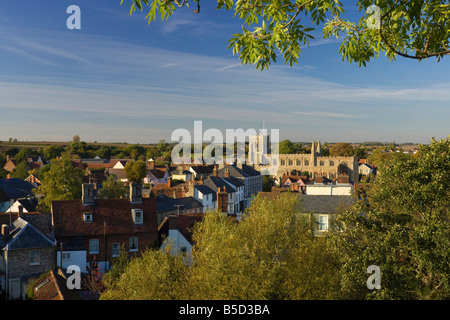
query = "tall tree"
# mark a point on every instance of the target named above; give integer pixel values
(60, 181)
(136, 170)
(404, 230)
(112, 189)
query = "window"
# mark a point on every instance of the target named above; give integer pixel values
(133, 244)
(138, 216)
(321, 163)
(323, 223)
(66, 256)
(331, 163)
(282, 162)
(298, 162)
(93, 246)
(35, 257)
(115, 249)
(290, 162)
(306, 163)
(87, 217)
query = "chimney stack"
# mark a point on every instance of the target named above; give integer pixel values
(136, 192)
(222, 200)
(215, 171)
(227, 173)
(88, 197)
(20, 211)
(5, 232)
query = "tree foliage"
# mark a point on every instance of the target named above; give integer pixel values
(112, 189)
(270, 254)
(136, 170)
(404, 229)
(410, 29)
(59, 181)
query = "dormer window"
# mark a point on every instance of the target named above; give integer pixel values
(138, 216)
(87, 217)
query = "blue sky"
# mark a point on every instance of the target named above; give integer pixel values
(120, 80)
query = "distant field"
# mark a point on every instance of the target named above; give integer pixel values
(34, 145)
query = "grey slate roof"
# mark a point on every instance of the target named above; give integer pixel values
(244, 172)
(206, 190)
(164, 203)
(215, 183)
(16, 188)
(324, 203)
(24, 236)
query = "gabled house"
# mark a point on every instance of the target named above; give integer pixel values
(218, 185)
(93, 230)
(206, 196)
(201, 171)
(34, 163)
(251, 178)
(26, 253)
(175, 233)
(365, 169)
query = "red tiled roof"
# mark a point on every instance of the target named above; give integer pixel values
(53, 287)
(116, 213)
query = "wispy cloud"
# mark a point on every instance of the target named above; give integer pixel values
(329, 114)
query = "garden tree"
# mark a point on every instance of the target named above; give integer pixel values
(112, 189)
(360, 152)
(286, 147)
(163, 146)
(23, 154)
(136, 170)
(155, 275)
(77, 147)
(152, 153)
(271, 254)
(11, 151)
(52, 152)
(341, 149)
(404, 229)
(410, 29)
(76, 138)
(104, 152)
(20, 171)
(119, 265)
(3, 173)
(135, 151)
(59, 181)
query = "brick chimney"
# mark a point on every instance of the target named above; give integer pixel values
(169, 182)
(152, 164)
(215, 171)
(173, 221)
(222, 200)
(227, 173)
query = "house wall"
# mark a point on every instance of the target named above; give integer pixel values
(332, 190)
(19, 262)
(77, 258)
